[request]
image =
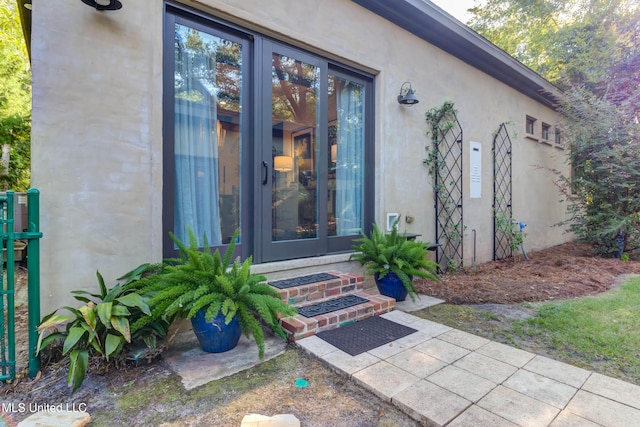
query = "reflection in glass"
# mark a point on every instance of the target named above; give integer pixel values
(346, 161)
(207, 88)
(293, 147)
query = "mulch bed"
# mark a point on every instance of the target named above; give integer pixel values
(562, 272)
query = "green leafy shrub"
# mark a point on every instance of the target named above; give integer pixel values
(602, 189)
(510, 230)
(148, 334)
(100, 326)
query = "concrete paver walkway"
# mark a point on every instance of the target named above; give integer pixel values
(443, 376)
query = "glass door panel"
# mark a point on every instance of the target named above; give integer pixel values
(294, 150)
(345, 145)
(207, 140)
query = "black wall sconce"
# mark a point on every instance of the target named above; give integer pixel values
(407, 95)
(103, 4)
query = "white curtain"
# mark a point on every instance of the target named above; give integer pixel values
(196, 148)
(349, 164)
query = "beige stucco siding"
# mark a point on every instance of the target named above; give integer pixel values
(97, 128)
(96, 138)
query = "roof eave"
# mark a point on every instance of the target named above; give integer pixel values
(25, 21)
(432, 24)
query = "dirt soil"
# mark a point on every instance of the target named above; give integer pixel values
(152, 394)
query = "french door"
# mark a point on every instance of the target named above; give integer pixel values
(264, 138)
(293, 182)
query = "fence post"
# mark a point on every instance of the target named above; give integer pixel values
(33, 264)
(8, 235)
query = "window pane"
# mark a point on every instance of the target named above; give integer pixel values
(530, 125)
(293, 148)
(207, 87)
(346, 157)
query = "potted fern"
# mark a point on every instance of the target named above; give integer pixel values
(393, 260)
(222, 302)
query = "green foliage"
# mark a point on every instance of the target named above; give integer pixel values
(579, 40)
(506, 227)
(145, 328)
(603, 191)
(15, 131)
(15, 98)
(439, 122)
(99, 327)
(200, 280)
(596, 332)
(591, 50)
(599, 329)
(381, 253)
(15, 73)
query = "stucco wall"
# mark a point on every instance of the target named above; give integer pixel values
(96, 141)
(97, 128)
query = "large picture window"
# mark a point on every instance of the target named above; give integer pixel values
(282, 151)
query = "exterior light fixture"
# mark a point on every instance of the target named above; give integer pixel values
(407, 95)
(104, 4)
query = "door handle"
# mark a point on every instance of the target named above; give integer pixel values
(265, 166)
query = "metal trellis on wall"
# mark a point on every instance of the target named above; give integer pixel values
(502, 189)
(448, 193)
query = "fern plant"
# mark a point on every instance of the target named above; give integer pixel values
(201, 280)
(383, 253)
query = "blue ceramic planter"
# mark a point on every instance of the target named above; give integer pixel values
(391, 286)
(216, 336)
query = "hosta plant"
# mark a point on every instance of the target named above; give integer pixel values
(146, 331)
(100, 326)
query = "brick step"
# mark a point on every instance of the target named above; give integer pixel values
(300, 326)
(313, 293)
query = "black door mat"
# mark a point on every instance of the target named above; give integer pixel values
(363, 336)
(330, 305)
(303, 280)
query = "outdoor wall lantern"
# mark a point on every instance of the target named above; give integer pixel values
(407, 95)
(103, 4)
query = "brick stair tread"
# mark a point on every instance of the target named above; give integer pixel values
(298, 327)
(313, 293)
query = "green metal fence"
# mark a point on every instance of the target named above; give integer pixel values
(8, 235)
